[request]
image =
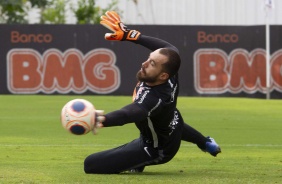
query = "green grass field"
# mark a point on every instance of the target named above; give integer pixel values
(34, 147)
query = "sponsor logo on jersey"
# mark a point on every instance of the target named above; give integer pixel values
(174, 122)
(140, 90)
(143, 96)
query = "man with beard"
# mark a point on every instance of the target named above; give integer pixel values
(153, 110)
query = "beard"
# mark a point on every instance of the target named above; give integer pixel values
(145, 78)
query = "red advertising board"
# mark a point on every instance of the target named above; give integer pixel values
(75, 59)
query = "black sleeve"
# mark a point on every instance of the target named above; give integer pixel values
(154, 43)
(128, 114)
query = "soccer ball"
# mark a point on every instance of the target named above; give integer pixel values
(78, 116)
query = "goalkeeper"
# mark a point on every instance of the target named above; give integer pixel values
(153, 111)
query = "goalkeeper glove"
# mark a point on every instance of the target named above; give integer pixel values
(99, 118)
(111, 20)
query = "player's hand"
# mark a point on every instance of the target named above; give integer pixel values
(98, 122)
(111, 20)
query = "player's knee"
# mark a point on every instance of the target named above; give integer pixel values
(87, 168)
(93, 166)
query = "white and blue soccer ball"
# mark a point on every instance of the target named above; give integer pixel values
(78, 116)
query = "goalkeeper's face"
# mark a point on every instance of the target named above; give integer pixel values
(151, 71)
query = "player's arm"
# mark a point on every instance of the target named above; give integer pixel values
(153, 43)
(128, 114)
(112, 21)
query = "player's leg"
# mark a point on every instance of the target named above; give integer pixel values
(122, 158)
(190, 134)
(206, 144)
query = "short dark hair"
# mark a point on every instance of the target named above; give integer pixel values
(173, 64)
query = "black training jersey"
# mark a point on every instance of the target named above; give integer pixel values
(154, 107)
(159, 102)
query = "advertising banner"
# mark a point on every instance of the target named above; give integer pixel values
(76, 59)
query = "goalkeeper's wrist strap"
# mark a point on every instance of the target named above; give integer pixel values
(133, 35)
